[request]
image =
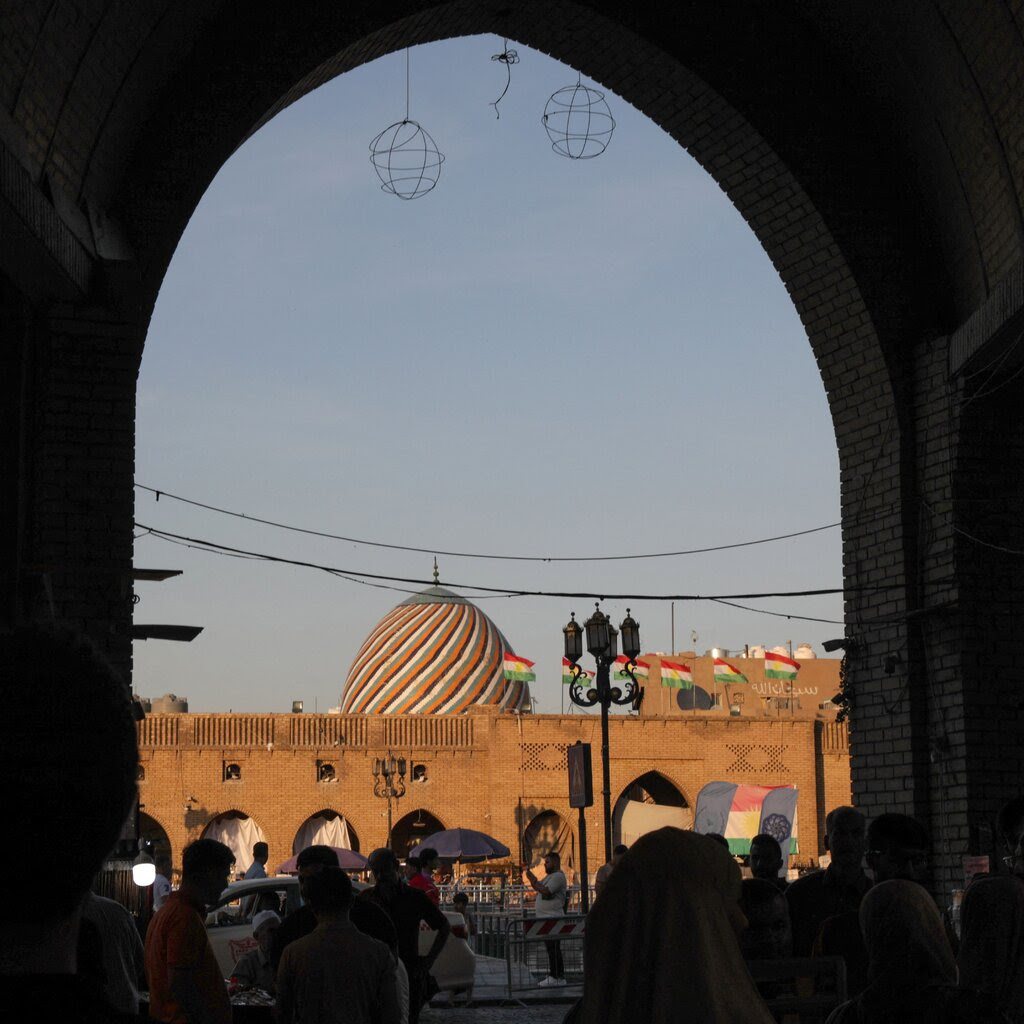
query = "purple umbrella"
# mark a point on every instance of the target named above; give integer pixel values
(347, 859)
(463, 845)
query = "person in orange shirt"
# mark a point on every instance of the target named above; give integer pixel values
(185, 983)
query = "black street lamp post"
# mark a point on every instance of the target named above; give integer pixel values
(389, 782)
(603, 644)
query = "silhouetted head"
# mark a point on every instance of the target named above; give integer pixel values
(311, 861)
(260, 852)
(765, 856)
(329, 893)
(897, 848)
(206, 866)
(66, 807)
(844, 837)
(384, 865)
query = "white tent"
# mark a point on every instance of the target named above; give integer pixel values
(240, 834)
(323, 831)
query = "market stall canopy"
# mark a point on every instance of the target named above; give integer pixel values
(464, 845)
(347, 859)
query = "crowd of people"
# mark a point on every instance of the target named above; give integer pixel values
(904, 961)
(675, 933)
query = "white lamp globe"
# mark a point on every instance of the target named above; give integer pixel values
(143, 870)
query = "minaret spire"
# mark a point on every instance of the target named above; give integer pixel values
(436, 574)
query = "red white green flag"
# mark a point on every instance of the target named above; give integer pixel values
(567, 675)
(641, 669)
(518, 669)
(676, 674)
(619, 665)
(726, 673)
(778, 666)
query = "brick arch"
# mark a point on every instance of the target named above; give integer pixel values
(152, 829)
(875, 153)
(655, 787)
(550, 829)
(406, 834)
(241, 844)
(321, 810)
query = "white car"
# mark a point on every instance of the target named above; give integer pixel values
(229, 925)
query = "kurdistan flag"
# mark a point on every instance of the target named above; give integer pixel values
(676, 674)
(584, 676)
(726, 673)
(778, 666)
(519, 669)
(641, 669)
(620, 665)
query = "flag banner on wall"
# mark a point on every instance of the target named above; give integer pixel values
(778, 666)
(641, 669)
(619, 666)
(519, 669)
(676, 674)
(726, 673)
(585, 675)
(738, 813)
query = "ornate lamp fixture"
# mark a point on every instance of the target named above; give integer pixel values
(389, 782)
(603, 645)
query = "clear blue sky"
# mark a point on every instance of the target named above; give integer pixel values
(540, 357)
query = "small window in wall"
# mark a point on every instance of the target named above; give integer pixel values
(140, 773)
(326, 772)
(419, 773)
(232, 772)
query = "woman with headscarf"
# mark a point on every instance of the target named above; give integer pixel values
(661, 943)
(991, 956)
(911, 969)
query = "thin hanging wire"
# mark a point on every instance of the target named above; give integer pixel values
(508, 58)
(407, 83)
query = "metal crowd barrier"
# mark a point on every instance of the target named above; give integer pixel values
(526, 959)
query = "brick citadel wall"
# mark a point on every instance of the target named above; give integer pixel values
(484, 770)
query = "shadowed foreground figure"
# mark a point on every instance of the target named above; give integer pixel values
(991, 956)
(911, 972)
(661, 941)
(53, 683)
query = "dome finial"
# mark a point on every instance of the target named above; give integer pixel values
(437, 577)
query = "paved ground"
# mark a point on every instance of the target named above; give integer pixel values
(535, 1013)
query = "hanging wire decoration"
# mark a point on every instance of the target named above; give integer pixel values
(508, 58)
(405, 156)
(578, 122)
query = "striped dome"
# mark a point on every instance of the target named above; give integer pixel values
(435, 653)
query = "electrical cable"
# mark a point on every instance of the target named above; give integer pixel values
(469, 554)
(505, 591)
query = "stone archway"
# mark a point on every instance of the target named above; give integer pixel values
(236, 830)
(155, 834)
(548, 832)
(326, 828)
(411, 829)
(649, 802)
(881, 172)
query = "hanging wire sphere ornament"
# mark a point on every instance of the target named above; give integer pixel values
(406, 160)
(578, 122)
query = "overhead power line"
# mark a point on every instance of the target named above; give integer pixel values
(472, 554)
(505, 591)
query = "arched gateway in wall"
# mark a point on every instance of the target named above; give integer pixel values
(875, 151)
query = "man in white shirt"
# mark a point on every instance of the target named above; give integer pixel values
(258, 867)
(551, 903)
(162, 882)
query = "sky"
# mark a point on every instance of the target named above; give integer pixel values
(542, 357)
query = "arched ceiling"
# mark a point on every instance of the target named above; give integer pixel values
(900, 124)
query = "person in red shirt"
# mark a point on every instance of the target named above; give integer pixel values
(185, 983)
(429, 860)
